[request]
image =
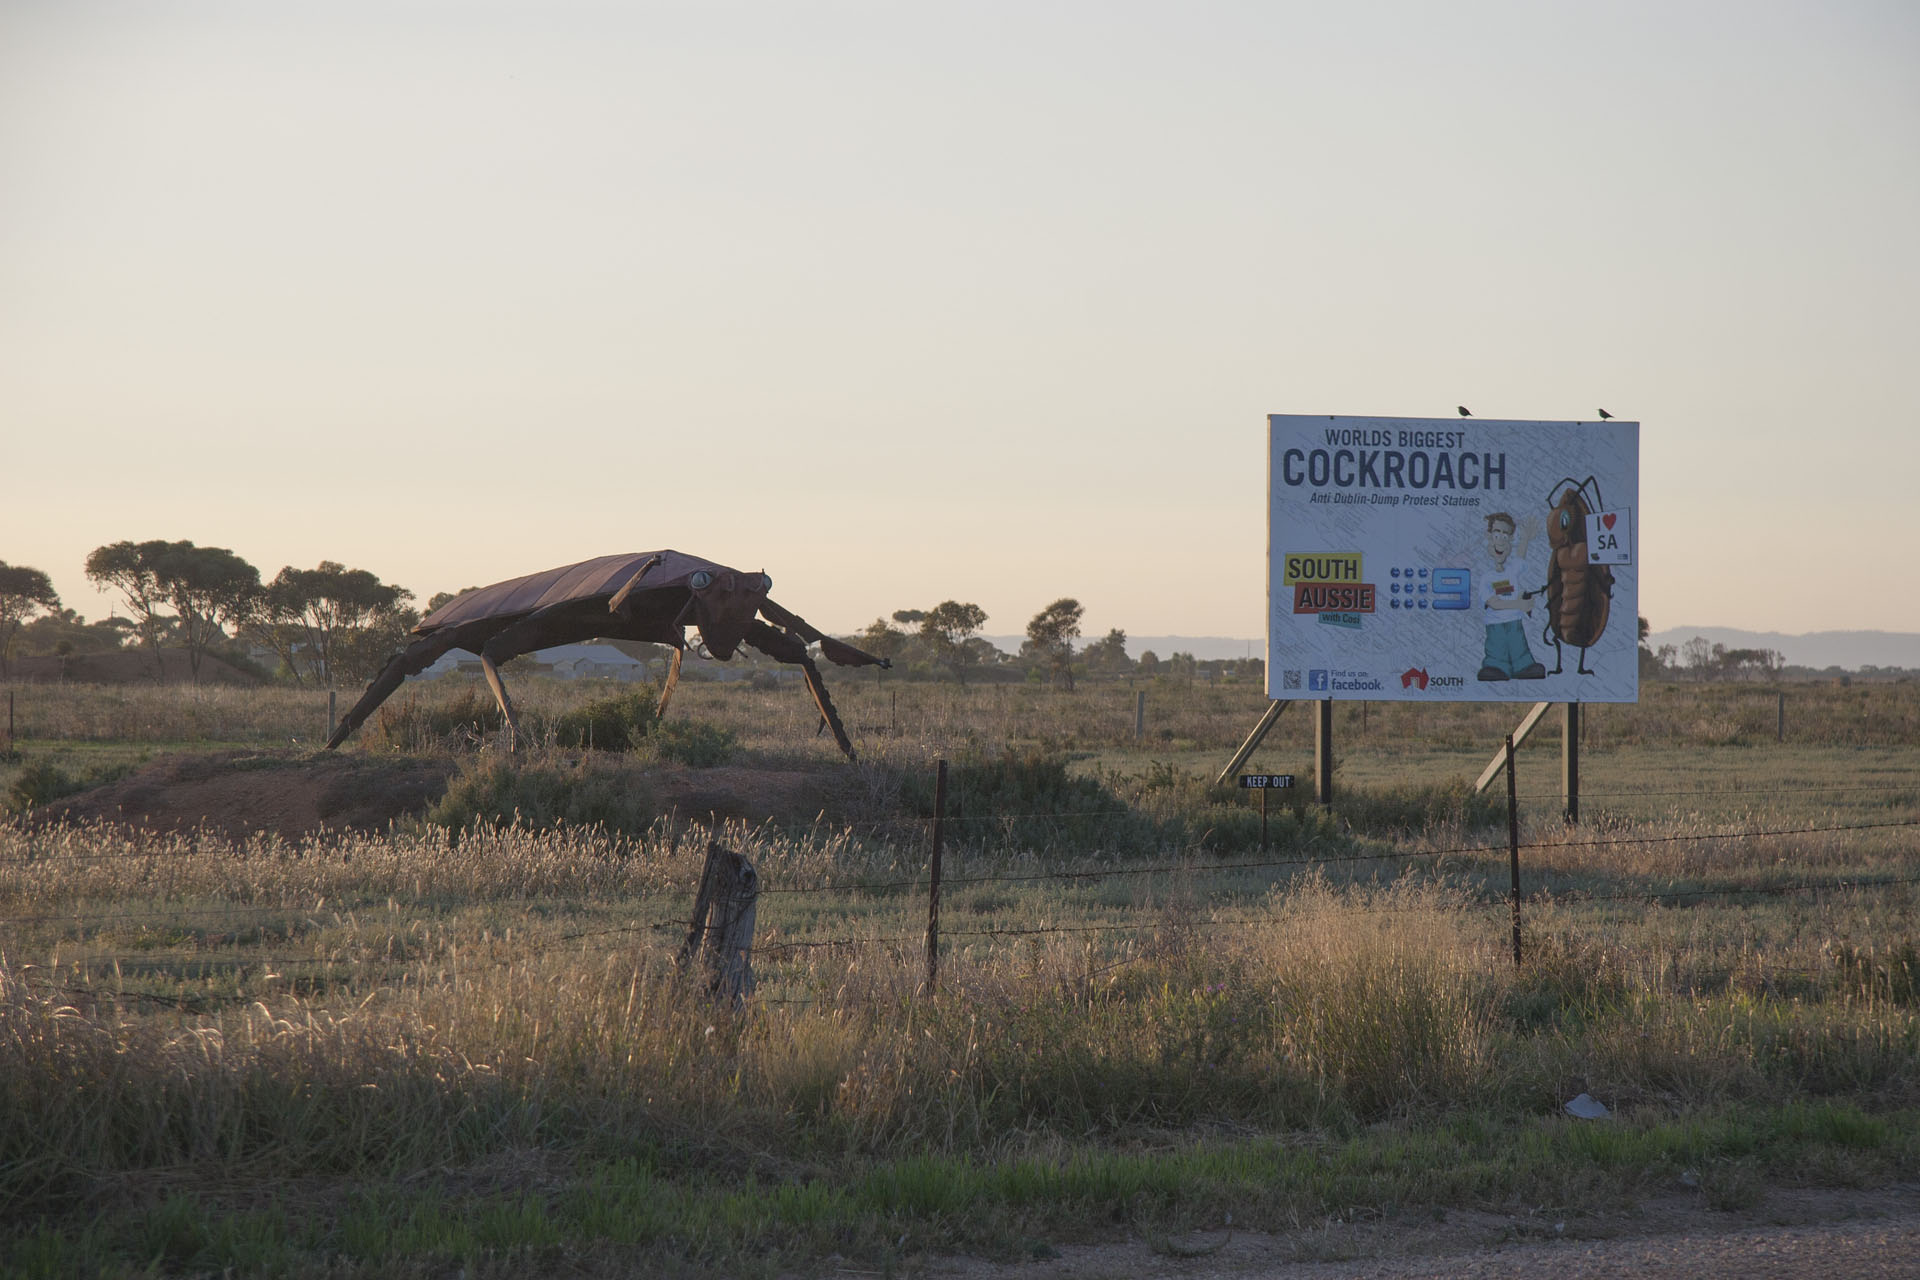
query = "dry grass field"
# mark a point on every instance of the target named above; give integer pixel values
(455, 1045)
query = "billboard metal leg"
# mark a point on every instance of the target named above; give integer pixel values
(1570, 761)
(1253, 740)
(1323, 754)
(1499, 761)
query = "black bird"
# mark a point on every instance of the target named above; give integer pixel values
(1605, 414)
(1464, 411)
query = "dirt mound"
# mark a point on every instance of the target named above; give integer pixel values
(128, 666)
(238, 793)
(294, 793)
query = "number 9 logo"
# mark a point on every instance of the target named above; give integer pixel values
(1451, 589)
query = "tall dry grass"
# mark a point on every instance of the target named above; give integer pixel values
(878, 707)
(190, 1005)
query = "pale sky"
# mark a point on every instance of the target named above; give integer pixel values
(908, 302)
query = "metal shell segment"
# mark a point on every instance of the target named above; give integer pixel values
(601, 576)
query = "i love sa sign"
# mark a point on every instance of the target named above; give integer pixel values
(1610, 537)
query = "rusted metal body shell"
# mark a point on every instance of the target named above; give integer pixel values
(602, 576)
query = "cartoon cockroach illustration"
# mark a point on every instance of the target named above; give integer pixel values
(1579, 593)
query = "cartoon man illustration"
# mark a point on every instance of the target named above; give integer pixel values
(1507, 600)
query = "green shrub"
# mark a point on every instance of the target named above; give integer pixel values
(693, 743)
(1027, 799)
(1191, 809)
(1415, 810)
(618, 722)
(42, 782)
(594, 792)
(413, 725)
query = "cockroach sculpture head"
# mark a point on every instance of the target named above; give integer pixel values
(1567, 523)
(723, 605)
(1567, 519)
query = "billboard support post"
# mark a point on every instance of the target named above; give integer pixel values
(1253, 740)
(1323, 754)
(1513, 846)
(1570, 762)
(1499, 761)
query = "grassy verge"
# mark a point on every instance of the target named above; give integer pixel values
(470, 1046)
(640, 1212)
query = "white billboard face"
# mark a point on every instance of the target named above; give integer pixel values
(1452, 559)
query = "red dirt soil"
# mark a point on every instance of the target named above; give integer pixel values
(299, 793)
(239, 792)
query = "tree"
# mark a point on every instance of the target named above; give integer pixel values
(332, 621)
(23, 593)
(882, 639)
(1650, 664)
(946, 628)
(1698, 654)
(1109, 653)
(205, 586)
(1050, 637)
(439, 598)
(132, 569)
(1149, 663)
(65, 632)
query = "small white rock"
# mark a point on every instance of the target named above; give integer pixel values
(1587, 1107)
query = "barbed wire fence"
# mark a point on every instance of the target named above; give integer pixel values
(246, 932)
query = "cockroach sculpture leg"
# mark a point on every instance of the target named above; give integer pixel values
(784, 646)
(828, 716)
(673, 678)
(412, 660)
(500, 695)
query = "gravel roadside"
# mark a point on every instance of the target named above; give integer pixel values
(1789, 1233)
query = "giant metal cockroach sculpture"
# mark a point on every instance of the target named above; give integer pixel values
(1579, 593)
(650, 595)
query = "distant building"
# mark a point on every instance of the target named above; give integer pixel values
(562, 662)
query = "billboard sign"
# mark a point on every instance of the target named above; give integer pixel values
(1452, 559)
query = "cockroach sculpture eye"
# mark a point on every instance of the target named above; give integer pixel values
(701, 580)
(1566, 520)
(766, 582)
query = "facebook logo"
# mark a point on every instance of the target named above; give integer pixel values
(1316, 681)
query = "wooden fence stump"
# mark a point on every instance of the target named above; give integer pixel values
(720, 939)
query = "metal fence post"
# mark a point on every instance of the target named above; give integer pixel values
(933, 894)
(1513, 847)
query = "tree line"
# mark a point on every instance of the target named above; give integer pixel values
(944, 641)
(333, 625)
(325, 625)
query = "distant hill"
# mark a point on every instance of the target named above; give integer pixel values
(1848, 650)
